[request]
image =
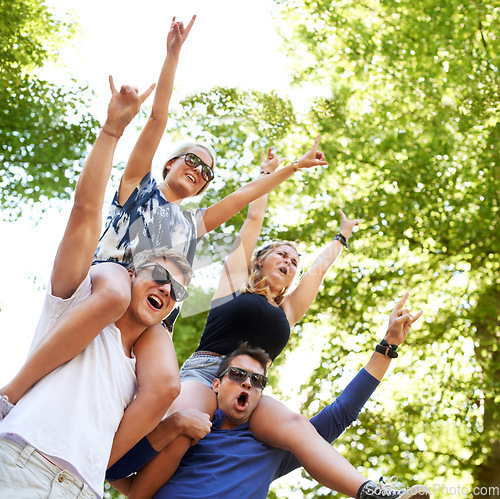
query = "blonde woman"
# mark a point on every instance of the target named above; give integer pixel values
(251, 304)
(145, 215)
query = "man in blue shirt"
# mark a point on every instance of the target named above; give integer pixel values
(230, 461)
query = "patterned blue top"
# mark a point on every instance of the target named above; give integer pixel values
(146, 221)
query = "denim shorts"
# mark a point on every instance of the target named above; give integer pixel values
(202, 367)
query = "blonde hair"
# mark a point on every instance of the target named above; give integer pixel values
(257, 283)
(187, 147)
(167, 254)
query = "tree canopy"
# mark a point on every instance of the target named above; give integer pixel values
(44, 129)
(407, 105)
(409, 123)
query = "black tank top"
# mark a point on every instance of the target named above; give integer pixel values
(244, 317)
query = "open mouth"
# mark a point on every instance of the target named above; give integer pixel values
(155, 302)
(242, 401)
(191, 178)
(283, 270)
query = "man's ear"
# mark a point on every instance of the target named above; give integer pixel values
(131, 273)
(216, 385)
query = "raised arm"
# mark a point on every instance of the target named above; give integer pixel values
(79, 241)
(298, 302)
(222, 211)
(235, 271)
(141, 158)
(336, 417)
(400, 322)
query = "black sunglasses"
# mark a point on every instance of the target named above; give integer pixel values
(162, 276)
(194, 161)
(239, 375)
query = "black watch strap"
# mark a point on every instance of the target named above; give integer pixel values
(342, 239)
(388, 350)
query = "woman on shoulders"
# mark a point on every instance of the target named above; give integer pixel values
(252, 304)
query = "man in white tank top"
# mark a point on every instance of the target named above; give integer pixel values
(58, 438)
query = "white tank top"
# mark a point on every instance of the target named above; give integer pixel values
(72, 414)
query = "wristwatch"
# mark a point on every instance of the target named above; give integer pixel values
(341, 239)
(388, 350)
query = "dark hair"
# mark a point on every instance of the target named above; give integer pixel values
(245, 349)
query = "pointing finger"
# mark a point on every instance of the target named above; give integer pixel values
(112, 84)
(147, 93)
(417, 316)
(188, 27)
(316, 142)
(401, 302)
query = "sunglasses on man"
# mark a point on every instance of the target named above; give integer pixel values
(162, 276)
(239, 375)
(194, 161)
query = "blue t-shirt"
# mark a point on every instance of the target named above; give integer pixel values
(214, 467)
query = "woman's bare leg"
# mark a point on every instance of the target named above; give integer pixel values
(76, 328)
(274, 424)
